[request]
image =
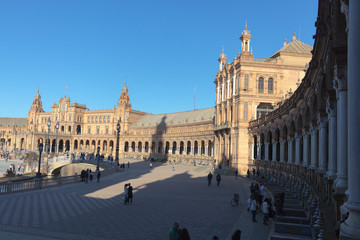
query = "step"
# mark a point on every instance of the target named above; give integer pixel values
(294, 212)
(290, 219)
(284, 236)
(292, 228)
(293, 206)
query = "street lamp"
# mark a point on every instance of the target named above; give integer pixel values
(48, 138)
(98, 158)
(117, 145)
(56, 144)
(38, 175)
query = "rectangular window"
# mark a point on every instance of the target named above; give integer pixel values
(97, 129)
(246, 82)
(246, 110)
(107, 130)
(89, 130)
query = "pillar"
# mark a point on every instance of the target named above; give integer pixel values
(342, 130)
(206, 151)
(192, 150)
(314, 148)
(305, 148)
(267, 145)
(274, 151)
(297, 148)
(282, 151)
(350, 228)
(322, 121)
(331, 173)
(290, 150)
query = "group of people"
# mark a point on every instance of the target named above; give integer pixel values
(128, 193)
(87, 174)
(257, 203)
(218, 179)
(177, 233)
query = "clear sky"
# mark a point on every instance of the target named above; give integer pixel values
(164, 48)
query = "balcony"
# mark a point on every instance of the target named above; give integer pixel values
(222, 126)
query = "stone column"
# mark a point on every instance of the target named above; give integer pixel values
(305, 148)
(267, 145)
(350, 228)
(340, 84)
(314, 147)
(206, 151)
(192, 150)
(212, 149)
(185, 150)
(322, 121)
(274, 151)
(290, 150)
(259, 151)
(163, 150)
(282, 151)
(297, 148)
(331, 174)
(136, 148)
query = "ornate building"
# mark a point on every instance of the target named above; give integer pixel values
(312, 140)
(249, 88)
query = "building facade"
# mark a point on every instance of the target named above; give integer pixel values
(249, 88)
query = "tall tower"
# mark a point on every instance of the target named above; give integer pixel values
(245, 41)
(123, 108)
(36, 108)
(222, 60)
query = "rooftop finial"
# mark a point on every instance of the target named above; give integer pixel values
(246, 24)
(294, 37)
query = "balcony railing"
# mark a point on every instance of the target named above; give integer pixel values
(222, 126)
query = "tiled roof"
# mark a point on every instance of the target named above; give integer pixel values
(296, 46)
(9, 122)
(196, 116)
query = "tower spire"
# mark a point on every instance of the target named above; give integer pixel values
(245, 40)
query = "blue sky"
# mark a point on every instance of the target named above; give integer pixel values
(165, 49)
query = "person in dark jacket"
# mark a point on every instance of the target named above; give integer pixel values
(130, 193)
(218, 179)
(209, 177)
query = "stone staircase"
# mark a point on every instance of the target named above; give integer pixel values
(294, 223)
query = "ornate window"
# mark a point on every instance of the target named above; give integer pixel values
(261, 85)
(97, 129)
(271, 86)
(246, 82)
(89, 129)
(107, 130)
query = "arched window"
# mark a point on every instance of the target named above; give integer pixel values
(271, 86)
(261, 85)
(246, 82)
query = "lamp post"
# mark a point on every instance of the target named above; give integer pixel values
(38, 175)
(98, 158)
(56, 144)
(48, 137)
(117, 145)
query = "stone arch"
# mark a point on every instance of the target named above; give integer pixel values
(255, 147)
(196, 147)
(111, 145)
(210, 148)
(153, 145)
(126, 146)
(167, 147)
(104, 148)
(87, 145)
(146, 146)
(140, 146)
(133, 146)
(173, 150)
(262, 146)
(160, 147)
(93, 145)
(81, 147)
(181, 150)
(67, 145)
(78, 130)
(76, 144)
(53, 145)
(202, 148)
(188, 148)
(269, 140)
(61, 145)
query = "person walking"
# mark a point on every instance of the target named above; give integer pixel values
(126, 190)
(184, 234)
(91, 175)
(130, 193)
(236, 173)
(174, 232)
(236, 235)
(128, 164)
(253, 208)
(209, 178)
(218, 179)
(86, 175)
(265, 210)
(98, 175)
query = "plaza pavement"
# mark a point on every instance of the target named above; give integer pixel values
(161, 197)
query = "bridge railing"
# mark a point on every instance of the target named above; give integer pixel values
(36, 183)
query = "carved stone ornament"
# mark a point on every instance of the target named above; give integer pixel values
(331, 108)
(340, 78)
(310, 101)
(305, 133)
(345, 10)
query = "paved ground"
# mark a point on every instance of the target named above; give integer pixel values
(161, 197)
